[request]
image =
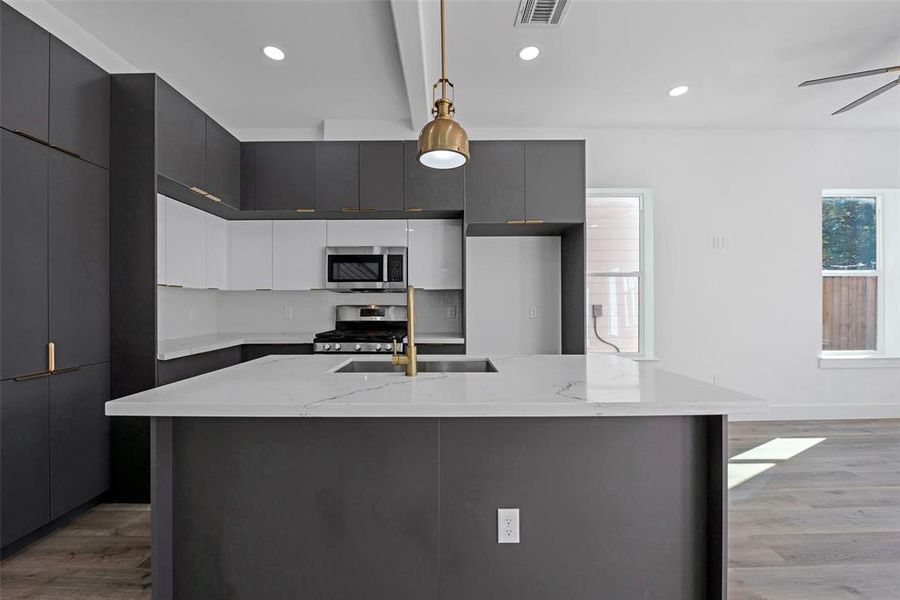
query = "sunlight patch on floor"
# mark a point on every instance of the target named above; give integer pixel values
(779, 449)
(738, 473)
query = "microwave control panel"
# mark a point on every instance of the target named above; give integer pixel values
(395, 268)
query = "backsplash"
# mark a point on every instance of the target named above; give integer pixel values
(185, 313)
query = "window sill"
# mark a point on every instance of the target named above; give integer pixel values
(866, 361)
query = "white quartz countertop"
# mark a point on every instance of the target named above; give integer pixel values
(534, 385)
(187, 346)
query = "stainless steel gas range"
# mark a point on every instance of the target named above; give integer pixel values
(363, 329)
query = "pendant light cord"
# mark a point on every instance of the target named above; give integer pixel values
(443, 56)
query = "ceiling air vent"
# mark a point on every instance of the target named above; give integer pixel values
(541, 13)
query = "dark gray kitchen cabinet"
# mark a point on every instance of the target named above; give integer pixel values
(223, 164)
(495, 182)
(381, 176)
(248, 177)
(23, 216)
(285, 175)
(555, 181)
(431, 189)
(337, 176)
(79, 437)
(79, 104)
(79, 261)
(25, 74)
(24, 457)
(176, 369)
(180, 137)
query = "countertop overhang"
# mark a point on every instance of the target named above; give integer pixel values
(524, 386)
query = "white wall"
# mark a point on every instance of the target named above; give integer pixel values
(506, 279)
(185, 312)
(750, 315)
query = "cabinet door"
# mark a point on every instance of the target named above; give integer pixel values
(495, 182)
(250, 255)
(285, 175)
(79, 261)
(554, 181)
(298, 255)
(25, 74)
(180, 137)
(381, 176)
(24, 457)
(430, 189)
(216, 253)
(79, 104)
(435, 254)
(185, 245)
(161, 203)
(337, 176)
(248, 176)
(367, 232)
(79, 437)
(223, 164)
(23, 218)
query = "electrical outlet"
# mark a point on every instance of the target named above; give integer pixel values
(507, 525)
(451, 312)
(597, 310)
(720, 242)
(532, 312)
(289, 312)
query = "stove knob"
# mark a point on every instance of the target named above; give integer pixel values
(377, 347)
(326, 347)
(337, 346)
(357, 347)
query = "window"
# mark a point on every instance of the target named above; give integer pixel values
(861, 274)
(850, 272)
(618, 263)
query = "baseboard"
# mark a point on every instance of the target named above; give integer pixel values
(804, 412)
(29, 538)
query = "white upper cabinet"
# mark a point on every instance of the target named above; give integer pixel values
(386, 232)
(161, 202)
(250, 255)
(298, 255)
(216, 253)
(435, 254)
(185, 245)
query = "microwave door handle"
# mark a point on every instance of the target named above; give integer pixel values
(384, 267)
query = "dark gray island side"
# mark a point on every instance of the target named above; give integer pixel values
(279, 478)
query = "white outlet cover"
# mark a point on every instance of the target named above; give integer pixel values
(507, 525)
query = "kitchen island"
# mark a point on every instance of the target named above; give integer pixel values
(286, 477)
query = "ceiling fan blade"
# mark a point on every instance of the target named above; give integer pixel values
(868, 96)
(850, 76)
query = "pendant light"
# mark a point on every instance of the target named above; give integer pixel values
(443, 143)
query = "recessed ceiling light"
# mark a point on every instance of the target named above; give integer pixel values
(274, 52)
(529, 53)
(679, 90)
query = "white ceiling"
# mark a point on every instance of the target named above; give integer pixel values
(609, 65)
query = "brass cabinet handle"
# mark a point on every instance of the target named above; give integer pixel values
(305, 210)
(213, 198)
(516, 222)
(533, 221)
(65, 150)
(51, 357)
(51, 366)
(413, 209)
(31, 137)
(199, 190)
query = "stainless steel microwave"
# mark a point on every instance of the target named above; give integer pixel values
(365, 267)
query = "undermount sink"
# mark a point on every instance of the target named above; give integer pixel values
(481, 365)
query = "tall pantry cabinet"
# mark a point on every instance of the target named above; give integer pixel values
(54, 349)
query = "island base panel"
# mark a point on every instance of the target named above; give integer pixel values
(315, 508)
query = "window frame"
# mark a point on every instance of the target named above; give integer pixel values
(878, 273)
(646, 351)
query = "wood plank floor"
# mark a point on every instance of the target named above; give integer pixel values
(823, 525)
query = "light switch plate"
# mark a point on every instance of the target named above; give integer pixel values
(507, 525)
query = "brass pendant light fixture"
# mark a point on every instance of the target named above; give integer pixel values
(443, 143)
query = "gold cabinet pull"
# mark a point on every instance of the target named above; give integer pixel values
(31, 137)
(516, 222)
(51, 357)
(305, 210)
(533, 221)
(213, 198)
(199, 190)
(414, 209)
